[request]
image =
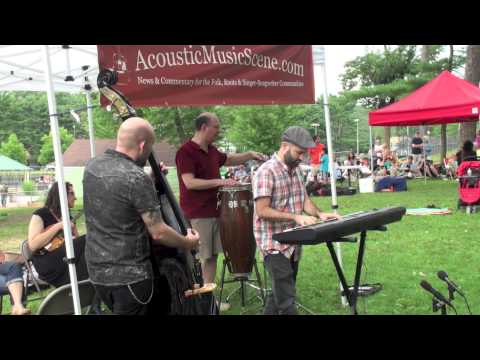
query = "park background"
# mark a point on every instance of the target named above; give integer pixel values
(410, 251)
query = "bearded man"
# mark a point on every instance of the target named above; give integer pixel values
(281, 200)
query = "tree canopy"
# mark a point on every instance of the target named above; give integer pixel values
(14, 149)
(47, 154)
(369, 82)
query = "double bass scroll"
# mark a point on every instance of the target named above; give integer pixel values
(172, 213)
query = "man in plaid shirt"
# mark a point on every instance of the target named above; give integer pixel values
(280, 201)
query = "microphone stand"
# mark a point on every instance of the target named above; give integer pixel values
(451, 291)
(439, 305)
(451, 296)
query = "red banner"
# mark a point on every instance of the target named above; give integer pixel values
(176, 75)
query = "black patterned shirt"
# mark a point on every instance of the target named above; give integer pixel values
(116, 193)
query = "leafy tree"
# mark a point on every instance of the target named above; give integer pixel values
(28, 186)
(14, 149)
(260, 127)
(379, 79)
(472, 74)
(26, 115)
(105, 124)
(176, 124)
(46, 152)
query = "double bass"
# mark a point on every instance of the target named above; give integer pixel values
(177, 272)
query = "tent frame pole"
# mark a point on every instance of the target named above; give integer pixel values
(61, 180)
(371, 149)
(331, 167)
(91, 133)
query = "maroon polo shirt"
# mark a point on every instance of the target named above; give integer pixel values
(192, 159)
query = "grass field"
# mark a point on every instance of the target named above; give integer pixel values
(410, 251)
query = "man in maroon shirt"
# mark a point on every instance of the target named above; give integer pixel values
(198, 168)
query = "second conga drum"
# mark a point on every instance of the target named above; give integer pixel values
(236, 227)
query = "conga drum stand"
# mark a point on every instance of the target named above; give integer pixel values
(244, 279)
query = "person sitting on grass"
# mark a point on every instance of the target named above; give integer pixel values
(450, 165)
(365, 168)
(11, 278)
(429, 168)
(410, 168)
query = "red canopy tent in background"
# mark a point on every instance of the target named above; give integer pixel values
(443, 100)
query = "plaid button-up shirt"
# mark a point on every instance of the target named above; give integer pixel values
(287, 193)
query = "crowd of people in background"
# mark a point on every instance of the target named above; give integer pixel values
(386, 162)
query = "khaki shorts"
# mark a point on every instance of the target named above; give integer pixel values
(209, 231)
(315, 169)
(417, 158)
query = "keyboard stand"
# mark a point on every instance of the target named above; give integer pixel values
(350, 295)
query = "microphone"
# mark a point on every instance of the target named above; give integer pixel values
(426, 285)
(444, 276)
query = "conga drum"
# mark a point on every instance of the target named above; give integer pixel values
(236, 228)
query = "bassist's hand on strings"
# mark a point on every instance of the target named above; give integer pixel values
(163, 168)
(192, 237)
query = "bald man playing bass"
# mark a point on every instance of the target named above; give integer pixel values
(121, 211)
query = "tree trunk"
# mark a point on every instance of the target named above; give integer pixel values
(450, 58)
(179, 125)
(424, 52)
(386, 129)
(443, 145)
(443, 132)
(424, 57)
(472, 74)
(386, 136)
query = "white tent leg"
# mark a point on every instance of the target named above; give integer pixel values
(52, 108)
(371, 150)
(425, 167)
(91, 134)
(331, 166)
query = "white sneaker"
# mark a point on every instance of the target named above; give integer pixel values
(224, 307)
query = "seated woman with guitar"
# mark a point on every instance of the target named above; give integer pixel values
(46, 241)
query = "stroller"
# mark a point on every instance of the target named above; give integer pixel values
(469, 179)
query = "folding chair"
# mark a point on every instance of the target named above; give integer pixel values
(30, 279)
(60, 302)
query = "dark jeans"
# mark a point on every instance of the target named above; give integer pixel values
(283, 274)
(120, 300)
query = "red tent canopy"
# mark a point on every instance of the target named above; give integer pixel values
(445, 99)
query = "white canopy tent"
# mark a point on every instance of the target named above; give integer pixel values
(61, 68)
(22, 67)
(69, 68)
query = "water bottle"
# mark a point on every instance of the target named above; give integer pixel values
(469, 172)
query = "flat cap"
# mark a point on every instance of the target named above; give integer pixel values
(298, 136)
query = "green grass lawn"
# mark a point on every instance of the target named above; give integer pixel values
(410, 251)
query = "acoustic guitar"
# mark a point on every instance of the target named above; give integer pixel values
(59, 237)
